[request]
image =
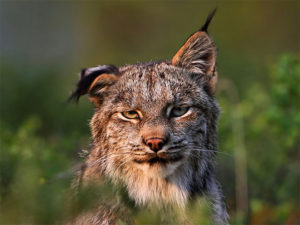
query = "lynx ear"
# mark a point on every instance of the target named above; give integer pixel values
(95, 81)
(198, 55)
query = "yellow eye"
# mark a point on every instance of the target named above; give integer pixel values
(179, 111)
(130, 114)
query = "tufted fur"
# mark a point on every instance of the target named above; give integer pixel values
(184, 168)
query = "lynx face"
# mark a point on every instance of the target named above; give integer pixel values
(151, 131)
(155, 120)
(155, 126)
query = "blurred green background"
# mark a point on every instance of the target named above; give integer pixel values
(45, 44)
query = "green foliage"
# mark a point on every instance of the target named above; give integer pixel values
(283, 111)
(276, 143)
(270, 117)
(28, 165)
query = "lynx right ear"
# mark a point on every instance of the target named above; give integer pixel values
(95, 81)
(198, 55)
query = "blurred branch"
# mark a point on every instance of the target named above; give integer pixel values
(230, 89)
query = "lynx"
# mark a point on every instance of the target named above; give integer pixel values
(154, 129)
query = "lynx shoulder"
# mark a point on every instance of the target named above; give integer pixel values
(154, 129)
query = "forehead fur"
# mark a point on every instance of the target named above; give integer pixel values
(155, 83)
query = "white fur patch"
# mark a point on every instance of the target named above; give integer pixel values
(156, 185)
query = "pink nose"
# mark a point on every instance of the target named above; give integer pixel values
(155, 144)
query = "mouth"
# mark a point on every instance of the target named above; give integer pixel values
(158, 158)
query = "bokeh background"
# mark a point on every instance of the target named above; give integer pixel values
(45, 44)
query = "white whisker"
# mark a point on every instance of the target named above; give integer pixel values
(209, 150)
(106, 157)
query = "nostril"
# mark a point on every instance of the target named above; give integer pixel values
(160, 145)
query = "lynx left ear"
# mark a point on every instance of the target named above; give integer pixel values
(95, 81)
(198, 55)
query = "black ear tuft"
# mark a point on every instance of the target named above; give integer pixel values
(87, 76)
(82, 73)
(208, 20)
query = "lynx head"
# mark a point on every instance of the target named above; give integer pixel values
(154, 127)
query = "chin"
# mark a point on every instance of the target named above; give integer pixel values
(159, 169)
(155, 183)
